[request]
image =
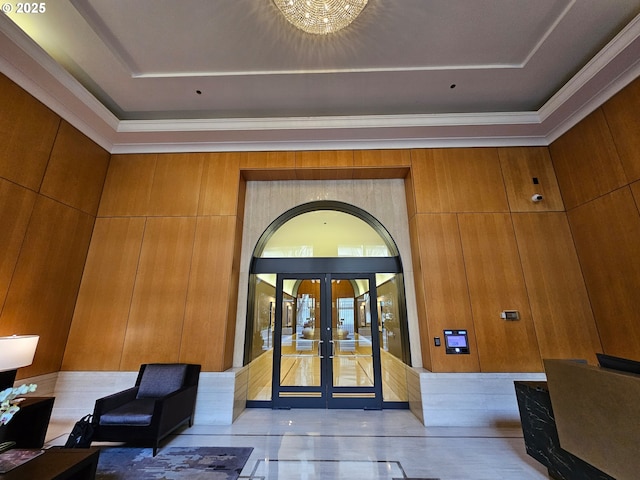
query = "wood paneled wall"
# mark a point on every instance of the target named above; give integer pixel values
(607, 232)
(175, 220)
(496, 283)
(444, 302)
(104, 299)
(564, 322)
(598, 167)
(481, 246)
(51, 179)
(586, 161)
(160, 280)
(326, 165)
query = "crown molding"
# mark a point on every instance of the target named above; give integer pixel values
(329, 122)
(290, 145)
(608, 72)
(27, 64)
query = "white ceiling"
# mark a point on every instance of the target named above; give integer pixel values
(406, 73)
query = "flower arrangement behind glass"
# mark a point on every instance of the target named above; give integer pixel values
(9, 404)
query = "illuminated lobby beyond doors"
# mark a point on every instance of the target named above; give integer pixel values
(326, 355)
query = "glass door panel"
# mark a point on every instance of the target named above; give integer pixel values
(355, 371)
(324, 352)
(352, 361)
(298, 352)
(300, 357)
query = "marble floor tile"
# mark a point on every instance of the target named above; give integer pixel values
(356, 444)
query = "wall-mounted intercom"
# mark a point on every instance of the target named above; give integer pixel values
(510, 315)
(456, 341)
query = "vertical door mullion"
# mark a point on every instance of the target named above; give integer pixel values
(277, 344)
(375, 338)
(325, 336)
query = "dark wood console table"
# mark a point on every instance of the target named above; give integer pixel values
(28, 427)
(58, 464)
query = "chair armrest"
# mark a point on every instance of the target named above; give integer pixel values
(175, 407)
(115, 400)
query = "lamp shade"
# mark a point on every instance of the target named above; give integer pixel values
(17, 351)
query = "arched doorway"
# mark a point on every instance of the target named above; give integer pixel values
(326, 320)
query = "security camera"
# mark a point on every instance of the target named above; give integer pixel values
(536, 197)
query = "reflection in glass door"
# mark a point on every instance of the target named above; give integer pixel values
(325, 354)
(298, 345)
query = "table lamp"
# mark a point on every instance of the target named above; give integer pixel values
(15, 351)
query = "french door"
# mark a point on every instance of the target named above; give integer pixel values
(326, 342)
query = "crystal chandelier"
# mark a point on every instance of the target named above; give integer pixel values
(320, 17)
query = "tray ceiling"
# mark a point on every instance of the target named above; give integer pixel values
(225, 74)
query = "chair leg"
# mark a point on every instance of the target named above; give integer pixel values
(155, 449)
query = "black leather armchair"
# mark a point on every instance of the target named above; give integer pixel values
(162, 400)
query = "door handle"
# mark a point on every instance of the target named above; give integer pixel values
(320, 349)
(333, 348)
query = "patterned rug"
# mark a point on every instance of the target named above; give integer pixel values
(193, 463)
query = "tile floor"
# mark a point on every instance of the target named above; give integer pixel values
(356, 444)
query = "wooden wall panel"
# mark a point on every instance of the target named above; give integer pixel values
(607, 236)
(76, 171)
(409, 191)
(621, 113)
(635, 189)
(16, 205)
(382, 158)
(220, 183)
(269, 166)
(565, 326)
(586, 161)
(159, 296)
(45, 284)
(381, 163)
(205, 323)
(496, 283)
(104, 299)
(445, 289)
(127, 188)
(376, 173)
(28, 130)
(458, 180)
(176, 185)
(324, 159)
(520, 166)
(324, 165)
(241, 195)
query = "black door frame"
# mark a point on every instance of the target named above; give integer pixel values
(326, 395)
